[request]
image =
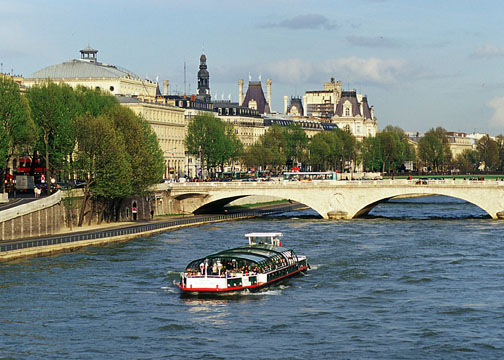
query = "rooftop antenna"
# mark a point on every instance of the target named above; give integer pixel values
(185, 92)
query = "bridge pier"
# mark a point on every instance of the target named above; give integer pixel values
(337, 215)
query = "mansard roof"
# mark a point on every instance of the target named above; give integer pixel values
(255, 92)
(351, 96)
(296, 103)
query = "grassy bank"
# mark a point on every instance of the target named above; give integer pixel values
(449, 177)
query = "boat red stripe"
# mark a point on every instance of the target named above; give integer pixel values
(241, 287)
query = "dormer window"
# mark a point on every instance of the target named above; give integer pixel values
(347, 108)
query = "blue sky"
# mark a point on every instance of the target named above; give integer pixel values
(422, 64)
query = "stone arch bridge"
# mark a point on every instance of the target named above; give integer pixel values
(331, 199)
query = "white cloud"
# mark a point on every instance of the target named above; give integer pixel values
(488, 51)
(380, 71)
(288, 71)
(498, 107)
(374, 70)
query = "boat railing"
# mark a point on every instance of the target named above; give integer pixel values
(223, 275)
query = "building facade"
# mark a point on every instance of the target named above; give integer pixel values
(169, 125)
(354, 113)
(248, 124)
(140, 95)
(347, 109)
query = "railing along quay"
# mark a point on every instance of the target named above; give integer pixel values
(135, 229)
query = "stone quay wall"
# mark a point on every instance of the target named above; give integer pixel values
(37, 218)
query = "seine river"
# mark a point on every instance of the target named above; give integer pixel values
(419, 279)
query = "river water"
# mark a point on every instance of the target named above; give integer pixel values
(419, 278)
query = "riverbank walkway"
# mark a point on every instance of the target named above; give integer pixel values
(95, 235)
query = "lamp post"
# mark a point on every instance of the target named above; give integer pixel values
(200, 172)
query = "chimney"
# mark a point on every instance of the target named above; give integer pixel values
(240, 92)
(372, 112)
(166, 84)
(268, 92)
(305, 107)
(286, 104)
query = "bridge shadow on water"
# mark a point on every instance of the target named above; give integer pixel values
(427, 208)
(413, 208)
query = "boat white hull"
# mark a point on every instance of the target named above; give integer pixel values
(252, 282)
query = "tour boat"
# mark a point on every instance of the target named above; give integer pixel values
(262, 262)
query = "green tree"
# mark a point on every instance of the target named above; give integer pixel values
(269, 152)
(433, 148)
(349, 149)
(95, 101)
(371, 154)
(320, 151)
(467, 161)
(233, 147)
(211, 140)
(296, 143)
(329, 150)
(488, 153)
(17, 129)
(395, 148)
(275, 143)
(53, 106)
(256, 156)
(499, 139)
(142, 146)
(102, 160)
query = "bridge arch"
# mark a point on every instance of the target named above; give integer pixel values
(220, 199)
(371, 202)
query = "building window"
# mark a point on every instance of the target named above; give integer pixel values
(347, 111)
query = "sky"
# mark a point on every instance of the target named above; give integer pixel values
(421, 63)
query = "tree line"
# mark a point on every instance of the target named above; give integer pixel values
(283, 147)
(82, 134)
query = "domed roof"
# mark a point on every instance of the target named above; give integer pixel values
(203, 58)
(82, 69)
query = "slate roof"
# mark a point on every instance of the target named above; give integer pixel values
(351, 96)
(348, 96)
(367, 109)
(296, 102)
(255, 92)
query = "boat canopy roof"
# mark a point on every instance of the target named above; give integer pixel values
(258, 254)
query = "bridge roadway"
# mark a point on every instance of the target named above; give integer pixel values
(337, 199)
